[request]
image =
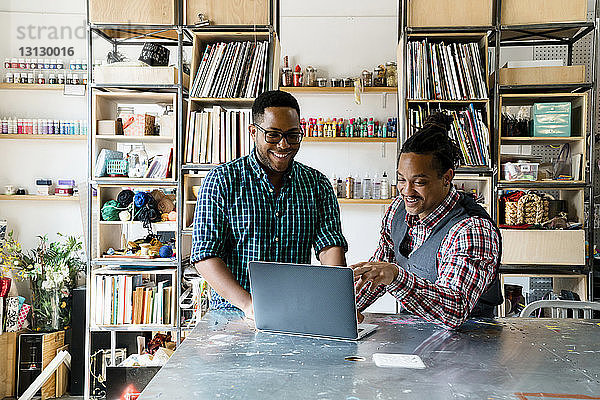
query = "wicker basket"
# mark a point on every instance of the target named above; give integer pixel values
(529, 209)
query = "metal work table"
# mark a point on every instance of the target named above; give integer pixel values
(224, 358)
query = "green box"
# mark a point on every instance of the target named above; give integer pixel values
(552, 119)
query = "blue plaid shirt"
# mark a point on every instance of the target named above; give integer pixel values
(240, 219)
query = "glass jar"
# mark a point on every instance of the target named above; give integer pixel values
(349, 82)
(311, 76)
(286, 77)
(379, 76)
(337, 82)
(321, 82)
(137, 162)
(41, 80)
(367, 78)
(391, 76)
(8, 78)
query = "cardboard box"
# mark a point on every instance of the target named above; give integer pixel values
(542, 75)
(138, 124)
(448, 13)
(230, 12)
(109, 127)
(149, 12)
(108, 74)
(8, 364)
(50, 344)
(519, 12)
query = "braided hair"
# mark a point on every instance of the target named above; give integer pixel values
(433, 139)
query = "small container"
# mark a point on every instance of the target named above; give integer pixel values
(391, 75)
(61, 79)
(84, 79)
(78, 65)
(41, 80)
(47, 64)
(311, 76)
(53, 64)
(349, 82)
(75, 80)
(14, 63)
(52, 79)
(337, 82)
(321, 82)
(8, 78)
(379, 76)
(349, 187)
(84, 65)
(23, 77)
(286, 77)
(60, 64)
(7, 64)
(30, 78)
(40, 64)
(22, 63)
(297, 76)
(367, 78)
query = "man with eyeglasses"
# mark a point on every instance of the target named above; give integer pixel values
(264, 207)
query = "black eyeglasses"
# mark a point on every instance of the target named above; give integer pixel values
(274, 137)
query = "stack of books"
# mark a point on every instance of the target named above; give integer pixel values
(445, 72)
(123, 300)
(468, 130)
(230, 70)
(216, 135)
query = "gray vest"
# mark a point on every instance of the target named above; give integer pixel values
(423, 261)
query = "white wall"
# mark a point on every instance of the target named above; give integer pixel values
(39, 23)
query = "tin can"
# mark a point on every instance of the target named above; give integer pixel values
(321, 82)
(286, 77)
(349, 82)
(349, 187)
(337, 82)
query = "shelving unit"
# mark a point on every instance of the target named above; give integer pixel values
(526, 252)
(33, 197)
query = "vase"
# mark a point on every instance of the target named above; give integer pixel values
(47, 308)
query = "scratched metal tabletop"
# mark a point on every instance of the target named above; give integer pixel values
(224, 358)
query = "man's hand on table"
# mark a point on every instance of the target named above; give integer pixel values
(379, 273)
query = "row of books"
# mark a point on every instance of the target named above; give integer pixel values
(160, 166)
(468, 129)
(216, 135)
(236, 69)
(123, 299)
(437, 71)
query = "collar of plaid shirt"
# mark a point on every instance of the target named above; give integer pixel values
(436, 215)
(261, 173)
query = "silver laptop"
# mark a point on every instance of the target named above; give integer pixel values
(307, 300)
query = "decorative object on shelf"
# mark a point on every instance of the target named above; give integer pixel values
(52, 269)
(28, 126)
(353, 127)
(138, 124)
(155, 55)
(311, 76)
(10, 190)
(379, 76)
(116, 168)
(525, 208)
(137, 162)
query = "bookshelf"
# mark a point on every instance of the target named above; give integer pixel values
(508, 23)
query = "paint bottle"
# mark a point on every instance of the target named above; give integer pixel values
(341, 188)
(69, 80)
(52, 79)
(14, 63)
(349, 187)
(40, 79)
(22, 63)
(8, 78)
(367, 187)
(61, 79)
(385, 187)
(334, 185)
(40, 64)
(84, 65)
(370, 128)
(297, 76)
(72, 65)
(357, 188)
(376, 188)
(7, 63)
(75, 79)
(23, 77)
(78, 65)
(60, 64)
(47, 64)
(30, 78)
(53, 64)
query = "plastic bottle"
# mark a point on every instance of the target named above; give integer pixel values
(370, 128)
(367, 187)
(385, 187)
(376, 188)
(357, 188)
(334, 185)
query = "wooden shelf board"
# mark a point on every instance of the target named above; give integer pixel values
(364, 201)
(549, 181)
(349, 139)
(448, 101)
(542, 139)
(317, 90)
(163, 223)
(190, 202)
(144, 139)
(132, 327)
(34, 197)
(122, 271)
(43, 137)
(27, 86)
(222, 99)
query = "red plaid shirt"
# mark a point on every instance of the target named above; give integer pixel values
(466, 264)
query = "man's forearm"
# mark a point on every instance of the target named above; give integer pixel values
(220, 278)
(333, 255)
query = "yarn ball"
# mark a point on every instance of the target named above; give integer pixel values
(125, 197)
(124, 215)
(157, 195)
(165, 205)
(165, 251)
(110, 211)
(140, 199)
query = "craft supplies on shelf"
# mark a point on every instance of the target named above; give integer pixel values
(26, 126)
(367, 188)
(352, 127)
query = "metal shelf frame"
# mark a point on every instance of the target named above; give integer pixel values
(499, 36)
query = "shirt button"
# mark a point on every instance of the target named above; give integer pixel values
(277, 239)
(277, 214)
(271, 190)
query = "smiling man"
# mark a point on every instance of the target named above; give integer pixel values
(439, 251)
(264, 207)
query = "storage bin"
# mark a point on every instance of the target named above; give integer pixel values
(109, 74)
(519, 12)
(552, 119)
(230, 12)
(544, 247)
(149, 12)
(520, 171)
(448, 13)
